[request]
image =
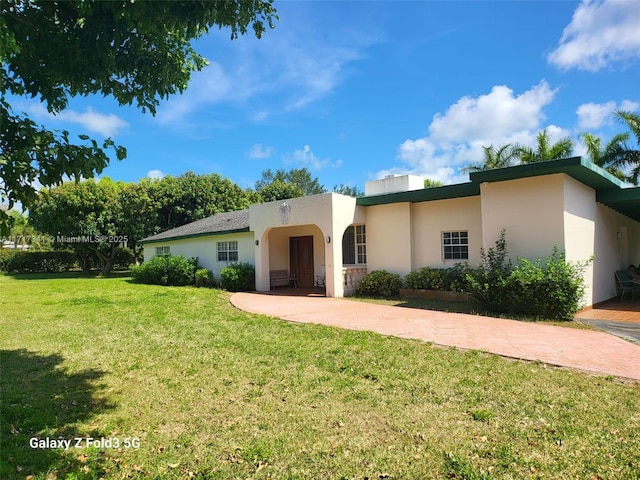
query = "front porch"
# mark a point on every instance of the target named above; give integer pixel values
(613, 310)
(305, 239)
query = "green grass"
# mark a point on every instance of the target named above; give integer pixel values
(212, 392)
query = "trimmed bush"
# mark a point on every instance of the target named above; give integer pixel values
(379, 284)
(6, 254)
(166, 270)
(40, 262)
(204, 278)
(426, 278)
(451, 279)
(551, 289)
(239, 277)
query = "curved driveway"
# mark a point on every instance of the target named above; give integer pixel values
(587, 350)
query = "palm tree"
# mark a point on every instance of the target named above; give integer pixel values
(493, 158)
(544, 152)
(611, 156)
(631, 157)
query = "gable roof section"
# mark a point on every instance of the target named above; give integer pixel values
(219, 224)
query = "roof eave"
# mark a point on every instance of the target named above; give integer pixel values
(191, 235)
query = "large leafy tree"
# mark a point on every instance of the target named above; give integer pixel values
(300, 177)
(134, 51)
(93, 218)
(494, 157)
(85, 217)
(545, 150)
(349, 190)
(279, 190)
(190, 197)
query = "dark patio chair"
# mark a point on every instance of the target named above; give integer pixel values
(625, 284)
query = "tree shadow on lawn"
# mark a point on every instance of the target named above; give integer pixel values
(42, 400)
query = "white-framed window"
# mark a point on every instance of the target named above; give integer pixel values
(163, 251)
(228, 251)
(354, 245)
(455, 245)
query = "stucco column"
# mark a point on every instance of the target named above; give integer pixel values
(262, 262)
(333, 264)
(334, 255)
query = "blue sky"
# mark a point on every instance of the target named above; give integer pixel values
(360, 89)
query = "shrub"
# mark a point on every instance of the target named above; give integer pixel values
(549, 289)
(487, 281)
(552, 289)
(452, 279)
(166, 270)
(6, 254)
(426, 278)
(455, 278)
(40, 262)
(379, 284)
(204, 278)
(123, 259)
(239, 277)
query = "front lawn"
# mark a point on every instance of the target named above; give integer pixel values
(173, 382)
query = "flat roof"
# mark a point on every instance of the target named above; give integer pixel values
(610, 191)
(579, 168)
(459, 190)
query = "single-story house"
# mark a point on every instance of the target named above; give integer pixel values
(400, 226)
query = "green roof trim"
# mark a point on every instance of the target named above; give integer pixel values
(610, 191)
(192, 235)
(578, 168)
(459, 190)
(625, 201)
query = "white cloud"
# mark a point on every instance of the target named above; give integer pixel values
(592, 116)
(492, 115)
(600, 33)
(287, 69)
(106, 125)
(260, 151)
(156, 174)
(209, 86)
(456, 137)
(306, 158)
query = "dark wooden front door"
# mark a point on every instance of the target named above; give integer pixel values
(301, 259)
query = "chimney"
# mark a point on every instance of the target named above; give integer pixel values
(393, 184)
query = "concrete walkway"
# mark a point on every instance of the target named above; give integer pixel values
(587, 350)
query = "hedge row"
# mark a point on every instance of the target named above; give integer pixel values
(551, 289)
(19, 261)
(180, 271)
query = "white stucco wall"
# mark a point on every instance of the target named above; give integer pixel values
(389, 235)
(580, 212)
(331, 213)
(613, 253)
(531, 211)
(430, 219)
(205, 249)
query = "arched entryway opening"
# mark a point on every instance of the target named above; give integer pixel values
(299, 251)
